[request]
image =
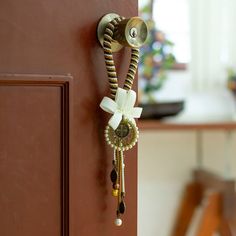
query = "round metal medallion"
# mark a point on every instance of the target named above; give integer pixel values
(123, 130)
(124, 137)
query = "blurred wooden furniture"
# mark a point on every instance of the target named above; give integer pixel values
(219, 210)
(190, 200)
(215, 195)
(158, 125)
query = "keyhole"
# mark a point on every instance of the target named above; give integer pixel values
(133, 32)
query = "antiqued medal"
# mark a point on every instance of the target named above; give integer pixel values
(124, 137)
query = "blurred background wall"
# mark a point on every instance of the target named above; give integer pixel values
(190, 57)
(165, 162)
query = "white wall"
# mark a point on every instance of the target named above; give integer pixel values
(166, 159)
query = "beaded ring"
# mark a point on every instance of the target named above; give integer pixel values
(127, 131)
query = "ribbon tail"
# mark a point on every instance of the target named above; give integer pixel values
(136, 112)
(108, 105)
(115, 120)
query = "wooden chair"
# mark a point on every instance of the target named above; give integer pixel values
(219, 214)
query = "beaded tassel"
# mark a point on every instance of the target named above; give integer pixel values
(123, 134)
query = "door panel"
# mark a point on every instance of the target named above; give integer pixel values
(59, 37)
(34, 154)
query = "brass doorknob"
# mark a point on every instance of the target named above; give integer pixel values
(130, 32)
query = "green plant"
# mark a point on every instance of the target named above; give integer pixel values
(156, 58)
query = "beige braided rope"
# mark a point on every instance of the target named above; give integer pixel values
(110, 64)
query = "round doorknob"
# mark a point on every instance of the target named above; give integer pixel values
(130, 32)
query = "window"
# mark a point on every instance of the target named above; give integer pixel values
(172, 18)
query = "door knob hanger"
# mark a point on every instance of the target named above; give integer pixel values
(115, 32)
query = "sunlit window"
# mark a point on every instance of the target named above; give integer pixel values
(166, 53)
(172, 18)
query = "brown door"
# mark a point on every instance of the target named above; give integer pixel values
(54, 163)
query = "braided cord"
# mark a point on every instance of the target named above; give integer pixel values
(132, 68)
(109, 60)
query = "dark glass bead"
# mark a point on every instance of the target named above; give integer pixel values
(113, 176)
(122, 208)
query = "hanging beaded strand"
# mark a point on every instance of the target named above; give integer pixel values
(117, 174)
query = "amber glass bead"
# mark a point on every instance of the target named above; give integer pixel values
(115, 192)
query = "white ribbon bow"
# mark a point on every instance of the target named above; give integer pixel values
(122, 106)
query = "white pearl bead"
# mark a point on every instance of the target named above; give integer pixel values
(118, 222)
